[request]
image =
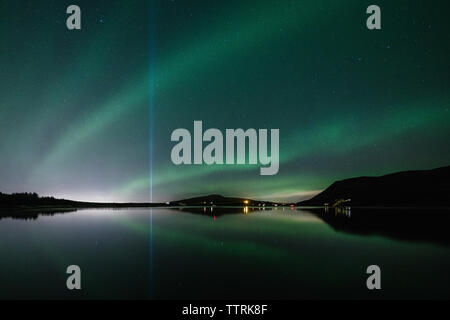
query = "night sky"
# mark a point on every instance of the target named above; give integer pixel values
(88, 114)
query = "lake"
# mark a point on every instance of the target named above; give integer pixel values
(225, 253)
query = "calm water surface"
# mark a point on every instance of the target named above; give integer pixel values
(195, 253)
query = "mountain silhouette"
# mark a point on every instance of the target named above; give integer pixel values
(402, 189)
(218, 200)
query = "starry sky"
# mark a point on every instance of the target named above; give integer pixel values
(88, 114)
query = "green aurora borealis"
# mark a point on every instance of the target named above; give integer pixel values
(79, 110)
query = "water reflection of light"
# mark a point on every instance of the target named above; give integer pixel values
(245, 209)
(346, 211)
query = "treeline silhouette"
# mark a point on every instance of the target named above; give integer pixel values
(31, 199)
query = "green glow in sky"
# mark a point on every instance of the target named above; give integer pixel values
(348, 101)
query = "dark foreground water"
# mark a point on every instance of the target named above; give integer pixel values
(196, 253)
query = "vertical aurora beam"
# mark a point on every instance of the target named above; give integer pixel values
(151, 103)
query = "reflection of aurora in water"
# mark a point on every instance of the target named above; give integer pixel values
(218, 211)
(195, 255)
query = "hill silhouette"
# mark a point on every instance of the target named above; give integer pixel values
(418, 188)
(219, 200)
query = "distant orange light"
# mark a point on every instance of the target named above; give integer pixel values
(246, 201)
